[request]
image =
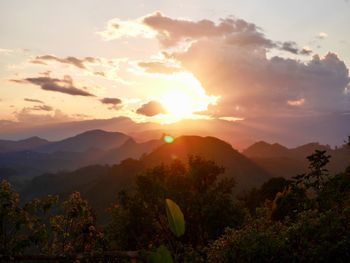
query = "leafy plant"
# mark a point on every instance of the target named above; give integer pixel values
(175, 218)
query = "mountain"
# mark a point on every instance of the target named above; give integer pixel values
(101, 183)
(94, 139)
(264, 149)
(287, 162)
(22, 145)
(326, 128)
(88, 148)
(246, 173)
(129, 149)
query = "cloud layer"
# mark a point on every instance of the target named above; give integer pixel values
(232, 60)
(64, 85)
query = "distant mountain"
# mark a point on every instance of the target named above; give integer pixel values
(88, 148)
(22, 145)
(247, 173)
(264, 149)
(282, 161)
(95, 139)
(326, 128)
(129, 149)
(100, 183)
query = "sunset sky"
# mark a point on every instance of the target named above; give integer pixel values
(165, 61)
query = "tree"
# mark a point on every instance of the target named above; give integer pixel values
(206, 202)
(318, 173)
(13, 220)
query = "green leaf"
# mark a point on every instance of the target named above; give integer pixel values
(175, 218)
(161, 255)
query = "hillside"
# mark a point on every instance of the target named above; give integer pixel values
(100, 184)
(88, 148)
(287, 162)
(22, 145)
(94, 139)
(247, 173)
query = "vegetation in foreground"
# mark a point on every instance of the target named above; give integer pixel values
(305, 219)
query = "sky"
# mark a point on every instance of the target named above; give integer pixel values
(166, 61)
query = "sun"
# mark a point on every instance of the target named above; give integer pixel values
(178, 104)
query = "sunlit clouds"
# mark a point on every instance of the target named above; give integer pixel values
(117, 28)
(226, 68)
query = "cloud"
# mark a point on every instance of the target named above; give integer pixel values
(42, 108)
(29, 115)
(34, 100)
(250, 83)
(117, 28)
(322, 35)
(64, 85)
(158, 67)
(114, 103)
(298, 102)
(77, 62)
(151, 108)
(171, 31)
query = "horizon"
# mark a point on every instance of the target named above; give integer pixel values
(164, 63)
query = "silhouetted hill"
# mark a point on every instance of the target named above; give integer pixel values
(264, 149)
(95, 139)
(129, 149)
(281, 161)
(246, 172)
(89, 148)
(99, 184)
(21, 145)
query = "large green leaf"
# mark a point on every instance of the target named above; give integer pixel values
(175, 218)
(161, 255)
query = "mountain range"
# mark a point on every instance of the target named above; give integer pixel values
(99, 163)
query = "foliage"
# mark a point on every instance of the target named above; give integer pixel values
(13, 220)
(296, 226)
(304, 220)
(267, 192)
(318, 174)
(175, 217)
(195, 187)
(46, 227)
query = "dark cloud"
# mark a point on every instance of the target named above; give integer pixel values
(77, 62)
(64, 85)
(171, 31)
(34, 100)
(236, 32)
(292, 47)
(42, 108)
(158, 67)
(151, 108)
(114, 103)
